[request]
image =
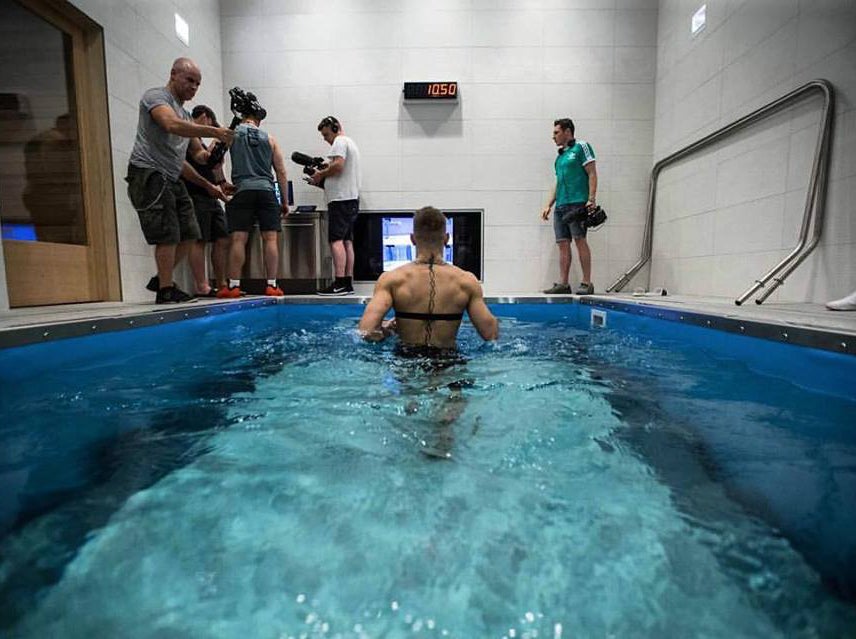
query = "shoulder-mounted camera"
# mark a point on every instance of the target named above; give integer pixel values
(243, 104)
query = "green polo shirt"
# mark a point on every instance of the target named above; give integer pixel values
(571, 178)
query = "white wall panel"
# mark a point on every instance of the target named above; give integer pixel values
(140, 46)
(752, 52)
(521, 64)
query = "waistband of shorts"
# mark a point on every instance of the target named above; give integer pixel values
(147, 170)
(403, 349)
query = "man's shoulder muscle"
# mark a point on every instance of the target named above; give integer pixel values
(157, 96)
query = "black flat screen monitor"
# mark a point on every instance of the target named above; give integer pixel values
(382, 241)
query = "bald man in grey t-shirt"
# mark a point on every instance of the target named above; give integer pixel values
(157, 161)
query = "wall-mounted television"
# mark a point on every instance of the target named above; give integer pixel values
(398, 249)
(382, 241)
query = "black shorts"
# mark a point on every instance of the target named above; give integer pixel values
(211, 218)
(342, 215)
(163, 206)
(248, 206)
(432, 360)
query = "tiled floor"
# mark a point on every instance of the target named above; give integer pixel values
(804, 315)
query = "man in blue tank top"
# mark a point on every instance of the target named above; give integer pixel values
(253, 152)
(574, 193)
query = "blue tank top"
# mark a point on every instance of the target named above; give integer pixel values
(251, 159)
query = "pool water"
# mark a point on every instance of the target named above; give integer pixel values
(272, 476)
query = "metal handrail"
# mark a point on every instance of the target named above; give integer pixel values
(814, 202)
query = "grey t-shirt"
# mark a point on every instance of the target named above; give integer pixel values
(154, 148)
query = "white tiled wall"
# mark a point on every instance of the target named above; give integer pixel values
(520, 65)
(140, 46)
(727, 215)
(723, 217)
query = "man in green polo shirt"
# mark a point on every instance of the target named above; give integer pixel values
(573, 194)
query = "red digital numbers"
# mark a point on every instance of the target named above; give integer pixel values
(442, 89)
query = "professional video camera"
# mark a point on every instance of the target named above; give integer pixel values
(242, 104)
(309, 164)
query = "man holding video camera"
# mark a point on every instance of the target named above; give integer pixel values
(253, 154)
(341, 183)
(574, 194)
(209, 211)
(157, 161)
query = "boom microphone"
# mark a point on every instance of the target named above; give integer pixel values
(309, 164)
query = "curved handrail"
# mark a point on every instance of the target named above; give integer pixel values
(814, 201)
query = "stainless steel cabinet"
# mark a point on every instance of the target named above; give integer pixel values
(305, 262)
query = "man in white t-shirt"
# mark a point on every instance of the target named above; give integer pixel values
(341, 182)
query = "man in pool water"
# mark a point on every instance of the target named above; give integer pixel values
(429, 296)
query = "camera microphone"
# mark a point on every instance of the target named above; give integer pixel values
(309, 164)
(306, 160)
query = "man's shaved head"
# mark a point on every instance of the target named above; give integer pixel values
(184, 79)
(183, 64)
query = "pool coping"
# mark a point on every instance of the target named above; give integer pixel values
(782, 331)
(776, 331)
(52, 331)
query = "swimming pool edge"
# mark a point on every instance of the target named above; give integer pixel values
(782, 332)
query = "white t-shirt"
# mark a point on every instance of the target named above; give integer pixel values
(346, 185)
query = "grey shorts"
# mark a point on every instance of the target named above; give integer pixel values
(572, 228)
(163, 206)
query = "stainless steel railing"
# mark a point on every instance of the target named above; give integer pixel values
(815, 199)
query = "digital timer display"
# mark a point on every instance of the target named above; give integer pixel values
(430, 90)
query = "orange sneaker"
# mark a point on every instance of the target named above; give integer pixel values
(229, 293)
(274, 291)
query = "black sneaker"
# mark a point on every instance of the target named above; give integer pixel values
(153, 285)
(173, 295)
(585, 288)
(336, 289)
(350, 284)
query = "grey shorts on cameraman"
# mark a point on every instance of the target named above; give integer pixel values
(163, 206)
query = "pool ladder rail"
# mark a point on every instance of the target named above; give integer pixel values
(812, 221)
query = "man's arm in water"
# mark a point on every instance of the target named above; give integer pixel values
(481, 317)
(372, 328)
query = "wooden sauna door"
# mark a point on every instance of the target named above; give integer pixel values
(56, 180)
